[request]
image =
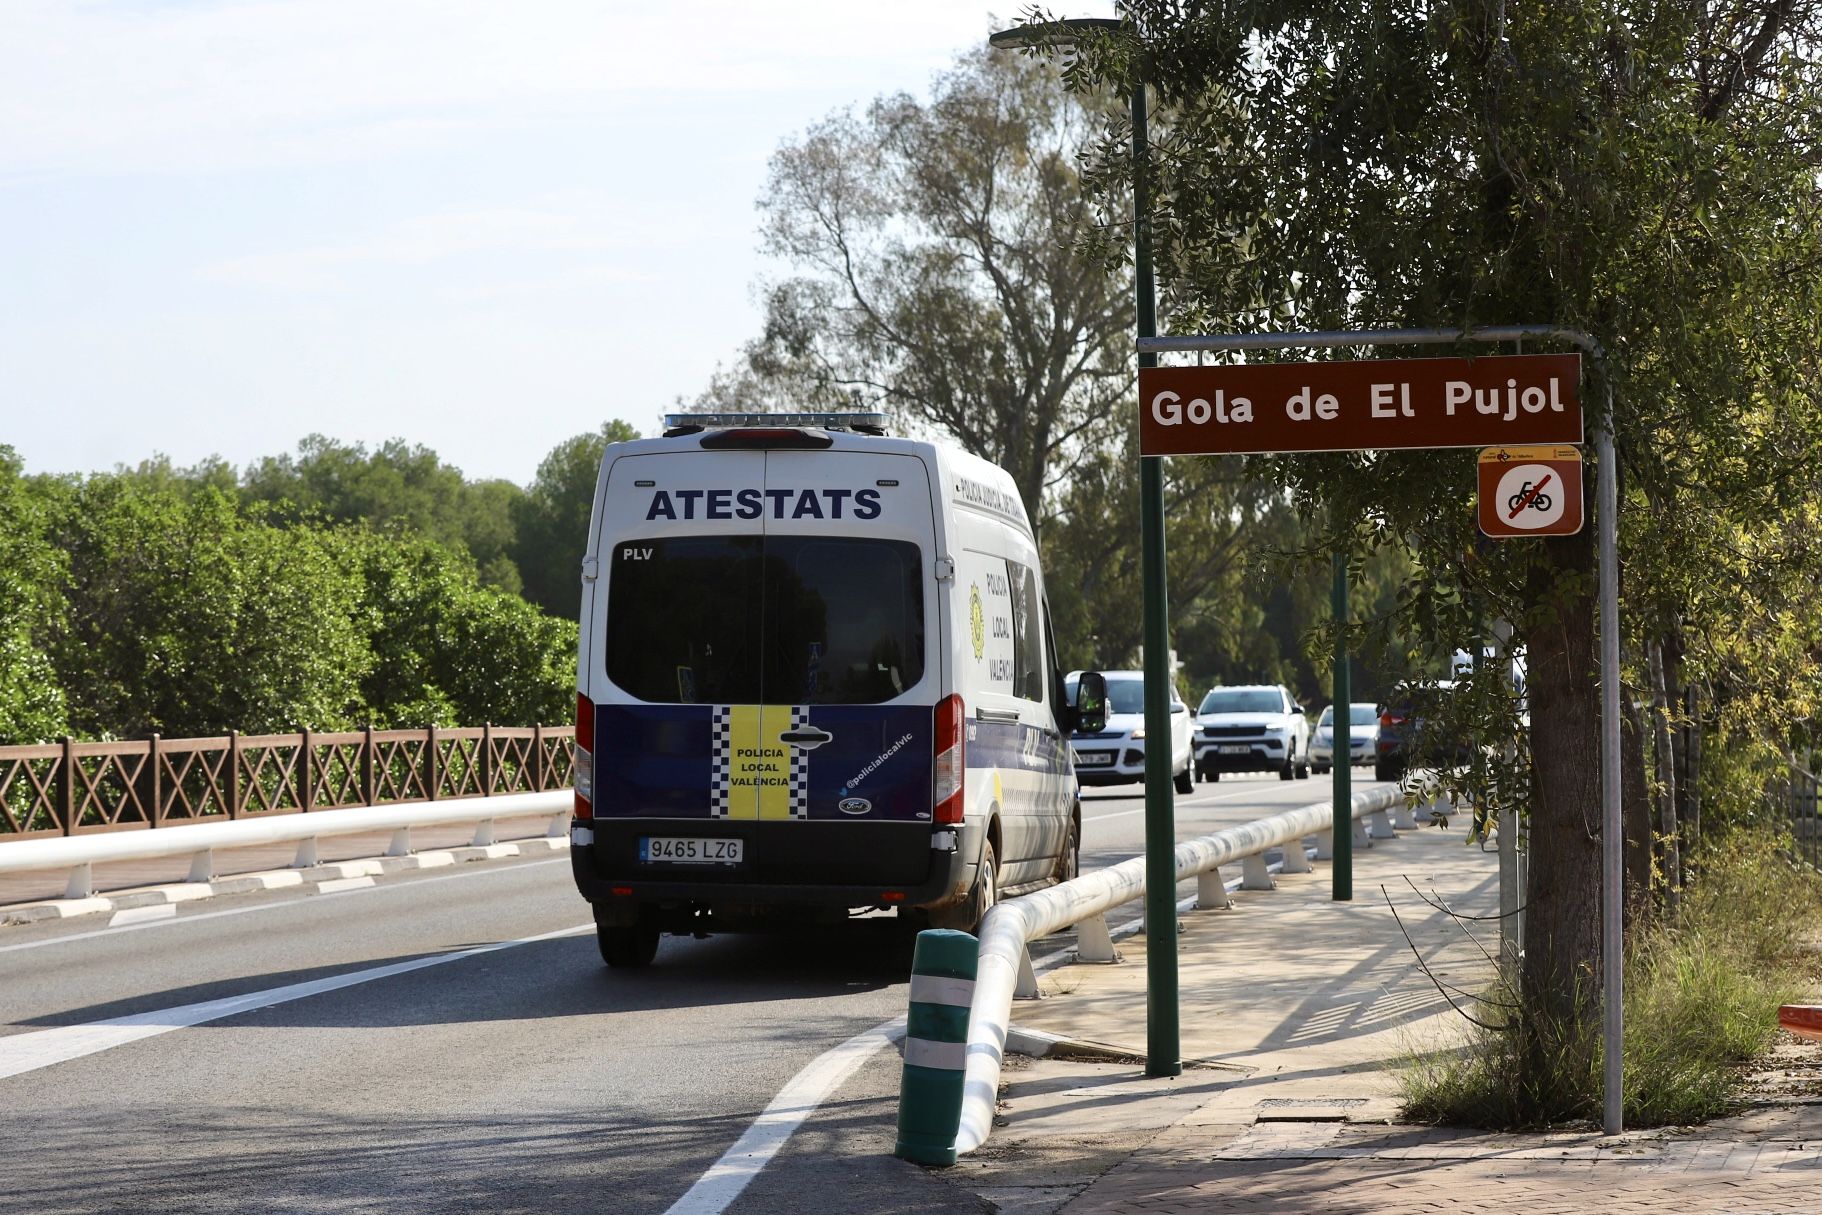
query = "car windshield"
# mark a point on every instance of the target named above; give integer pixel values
(1358, 715)
(765, 620)
(1242, 700)
(1126, 696)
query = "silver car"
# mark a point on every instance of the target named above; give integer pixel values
(1363, 730)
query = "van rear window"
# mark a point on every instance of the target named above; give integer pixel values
(765, 620)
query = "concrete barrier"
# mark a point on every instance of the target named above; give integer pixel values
(78, 853)
(1008, 927)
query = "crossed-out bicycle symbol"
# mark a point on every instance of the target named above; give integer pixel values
(1535, 499)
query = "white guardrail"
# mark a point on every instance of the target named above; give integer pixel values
(79, 853)
(1006, 929)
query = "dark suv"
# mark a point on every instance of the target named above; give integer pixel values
(1411, 732)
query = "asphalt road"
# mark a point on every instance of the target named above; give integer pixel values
(523, 1078)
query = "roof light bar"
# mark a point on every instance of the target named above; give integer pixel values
(874, 423)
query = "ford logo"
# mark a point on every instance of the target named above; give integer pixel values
(854, 805)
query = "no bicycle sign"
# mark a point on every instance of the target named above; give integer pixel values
(1530, 491)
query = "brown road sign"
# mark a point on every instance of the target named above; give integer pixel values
(1360, 405)
(1530, 491)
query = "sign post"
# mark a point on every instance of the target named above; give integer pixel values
(1312, 413)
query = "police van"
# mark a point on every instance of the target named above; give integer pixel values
(816, 677)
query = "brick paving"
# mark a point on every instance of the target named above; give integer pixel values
(1338, 1169)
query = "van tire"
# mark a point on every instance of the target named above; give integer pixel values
(966, 915)
(627, 948)
(1069, 864)
(1186, 780)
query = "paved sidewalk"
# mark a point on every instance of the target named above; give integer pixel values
(1296, 1012)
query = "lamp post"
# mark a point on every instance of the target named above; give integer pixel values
(1163, 1053)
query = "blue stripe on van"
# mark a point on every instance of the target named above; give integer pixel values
(1014, 744)
(658, 761)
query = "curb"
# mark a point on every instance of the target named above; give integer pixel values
(318, 879)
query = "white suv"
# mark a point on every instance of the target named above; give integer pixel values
(1115, 754)
(1252, 728)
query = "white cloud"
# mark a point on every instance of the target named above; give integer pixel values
(125, 86)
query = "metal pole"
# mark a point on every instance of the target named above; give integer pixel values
(1342, 823)
(1508, 838)
(1163, 1052)
(1613, 968)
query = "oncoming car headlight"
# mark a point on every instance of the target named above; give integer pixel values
(1137, 734)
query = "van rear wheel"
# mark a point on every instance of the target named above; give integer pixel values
(967, 914)
(627, 948)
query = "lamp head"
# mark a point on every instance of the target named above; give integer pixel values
(1050, 34)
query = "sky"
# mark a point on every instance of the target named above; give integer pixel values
(479, 226)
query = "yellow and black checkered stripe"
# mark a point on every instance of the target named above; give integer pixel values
(754, 775)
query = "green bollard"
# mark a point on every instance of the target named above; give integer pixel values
(936, 1045)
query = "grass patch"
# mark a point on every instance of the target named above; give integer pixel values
(1703, 986)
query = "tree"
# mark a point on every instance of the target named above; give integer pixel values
(397, 483)
(448, 651)
(1644, 171)
(183, 618)
(32, 704)
(552, 519)
(942, 275)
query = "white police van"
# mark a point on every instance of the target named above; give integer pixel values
(816, 675)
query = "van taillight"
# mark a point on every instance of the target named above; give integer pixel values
(585, 757)
(951, 760)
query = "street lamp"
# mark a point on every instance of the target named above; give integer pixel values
(1163, 1054)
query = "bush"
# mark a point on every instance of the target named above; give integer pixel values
(1703, 986)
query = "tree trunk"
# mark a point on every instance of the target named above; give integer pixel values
(1559, 981)
(1635, 806)
(1689, 808)
(1666, 767)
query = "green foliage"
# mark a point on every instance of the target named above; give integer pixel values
(1642, 171)
(185, 619)
(448, 651)
(32, 703)
(552, 519)
(161, 600)
(399, 483)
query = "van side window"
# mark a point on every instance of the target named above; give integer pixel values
(1057, 698)
(1028, 678)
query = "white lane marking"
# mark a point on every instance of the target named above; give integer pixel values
(291, 904)
(337, 885)
(142, 915)
(796, 1101)
(716, 1189)
(28, 1052)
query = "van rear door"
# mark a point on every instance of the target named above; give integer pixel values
(852, 632)
(682, 630)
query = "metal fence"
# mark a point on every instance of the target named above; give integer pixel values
(75, 788)
(1800, 803)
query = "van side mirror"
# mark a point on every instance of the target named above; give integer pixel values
(1091, 702)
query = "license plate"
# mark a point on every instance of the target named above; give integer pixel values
(1093, 759)
(687, 850)
(1236, 749)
